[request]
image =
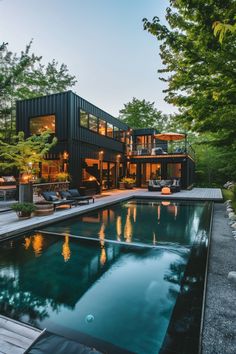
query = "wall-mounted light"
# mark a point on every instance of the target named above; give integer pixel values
(65, 155)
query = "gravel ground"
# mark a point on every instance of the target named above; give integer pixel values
(219, 331)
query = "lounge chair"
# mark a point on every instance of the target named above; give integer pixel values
(52, 198)
(154, 185)
(175, 186)
(75, 195)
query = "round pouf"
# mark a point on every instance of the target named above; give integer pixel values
(165, 190)
(43, 209)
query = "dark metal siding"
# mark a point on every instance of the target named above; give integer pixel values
(54, 104)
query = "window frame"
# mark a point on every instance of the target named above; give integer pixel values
(41, 116)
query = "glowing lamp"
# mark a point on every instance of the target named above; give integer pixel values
(165, 190)
(165, 203)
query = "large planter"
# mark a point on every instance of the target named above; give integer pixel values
(23, 215)
(43, 209)
(129, 185)
(25, 193)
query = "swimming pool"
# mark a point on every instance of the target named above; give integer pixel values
(142, 292)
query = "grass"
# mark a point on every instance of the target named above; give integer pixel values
(229, 194)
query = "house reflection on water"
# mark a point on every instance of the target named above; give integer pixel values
(56, 281)
(137, 222)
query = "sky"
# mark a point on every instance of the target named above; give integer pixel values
(101, 41)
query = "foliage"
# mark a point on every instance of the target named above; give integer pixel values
(25, 208)
(25, 153)
(63, 177)
(142, 114)
(24, 76)
(201, 72)
(128, 180)
(221, 29)
(229, 195)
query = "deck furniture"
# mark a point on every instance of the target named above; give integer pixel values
(157, 185)
(52, 198)
(7, 192)
(74, 194)
(166, 190)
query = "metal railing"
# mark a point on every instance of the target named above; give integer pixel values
(172, 148)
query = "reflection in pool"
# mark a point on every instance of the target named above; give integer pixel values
(99, 293)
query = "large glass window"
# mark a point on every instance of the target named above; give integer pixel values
(102, 127)
(83, 118)
(116, 133)
(174, 170)
(93, 123)
(42, 123)
(110, 130)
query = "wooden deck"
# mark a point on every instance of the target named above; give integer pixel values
(16, 337)
(10, 225)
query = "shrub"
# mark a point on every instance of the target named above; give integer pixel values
(24, 208)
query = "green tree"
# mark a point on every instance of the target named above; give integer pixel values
(25, 154)
(143, 114)
(201, 72)
(24, 76)
(221, 29)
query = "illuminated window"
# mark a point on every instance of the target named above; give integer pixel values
(102, 127)
(93, 123)
(83, 119)
(42, 123)
(116, 133)
(110, 130)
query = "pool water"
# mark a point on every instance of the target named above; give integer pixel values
(139, 221)
(113, 296)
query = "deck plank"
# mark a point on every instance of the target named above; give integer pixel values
(15, 337)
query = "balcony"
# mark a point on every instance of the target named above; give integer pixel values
(173, 148)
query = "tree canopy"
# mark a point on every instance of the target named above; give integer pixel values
(23, 153)
(201, 71)
(143, 114)
(23, 76)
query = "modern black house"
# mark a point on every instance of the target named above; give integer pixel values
(96, 148)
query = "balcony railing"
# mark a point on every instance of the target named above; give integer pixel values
(173, 148)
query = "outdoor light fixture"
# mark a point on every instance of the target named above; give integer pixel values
(65, 155)
(165, 203)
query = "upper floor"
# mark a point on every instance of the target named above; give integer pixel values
(71, 119)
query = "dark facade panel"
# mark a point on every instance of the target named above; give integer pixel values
(53, 104)
(102, 141)
(144, 131)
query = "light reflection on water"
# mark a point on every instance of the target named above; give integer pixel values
(57, 282)
(149, 223)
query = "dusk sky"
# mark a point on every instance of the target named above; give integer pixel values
(101, 41)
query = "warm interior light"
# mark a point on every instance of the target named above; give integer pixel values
(91, 178)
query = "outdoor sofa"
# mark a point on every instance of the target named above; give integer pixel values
(74, 194)
(52, 198)
(157, 185)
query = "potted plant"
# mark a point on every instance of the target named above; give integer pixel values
(24, 210)
(129, 182)
(63, 177)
